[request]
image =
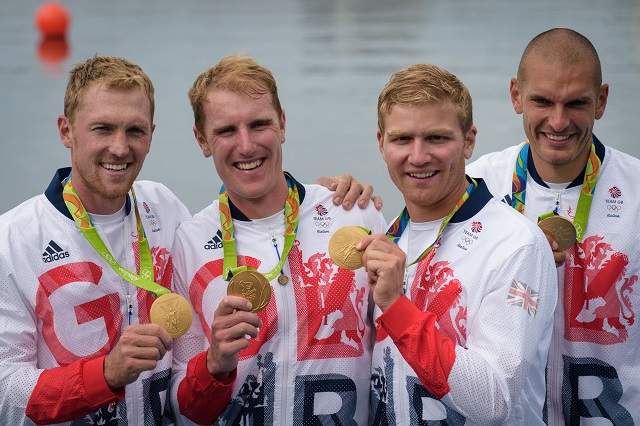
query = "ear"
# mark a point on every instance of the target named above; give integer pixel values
(283, 122)
(601, 103)
(380, 137)
(470, 142)
(64, 131)
(153, 128)
(516, 96)
(202, 142)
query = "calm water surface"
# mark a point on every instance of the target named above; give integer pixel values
(330, 58)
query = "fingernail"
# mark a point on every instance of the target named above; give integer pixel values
(337, 200)
(346, 204)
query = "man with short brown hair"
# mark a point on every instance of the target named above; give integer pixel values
(76, 343)
(301, 353)
(464, 288)
(562, 169)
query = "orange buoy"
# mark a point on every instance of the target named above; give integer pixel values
(52, 19)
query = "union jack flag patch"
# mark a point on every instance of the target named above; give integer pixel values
(521, 295)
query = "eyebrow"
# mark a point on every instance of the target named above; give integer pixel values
(441, 131)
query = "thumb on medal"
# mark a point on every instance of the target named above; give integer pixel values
(559, 256)
(230, 304)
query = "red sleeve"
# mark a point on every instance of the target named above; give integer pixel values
(212, 395)
(66, 393)
(429, 353)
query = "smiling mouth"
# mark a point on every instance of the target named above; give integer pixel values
(556, 137)
(425, 175)
(112, 167)
(248, 165)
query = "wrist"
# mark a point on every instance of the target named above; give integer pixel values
(109, 378)
(386, 304)
(214, 368)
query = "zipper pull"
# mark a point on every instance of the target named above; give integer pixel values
(556, 210)
(129, 308)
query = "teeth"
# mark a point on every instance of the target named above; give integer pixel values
(557, 137)
(116, 167)
(249, 165)
(422, 175)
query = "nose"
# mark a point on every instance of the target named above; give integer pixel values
(119, 146)
(420, 153)
(559, 119)
(245, 144)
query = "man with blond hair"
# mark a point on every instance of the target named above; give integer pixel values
(76, 344)
(464, 287)
(564, 169)
(303, 355)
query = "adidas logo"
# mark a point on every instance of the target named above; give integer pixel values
(215, 242)
(53, 252)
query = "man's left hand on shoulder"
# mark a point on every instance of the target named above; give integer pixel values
(349, 191)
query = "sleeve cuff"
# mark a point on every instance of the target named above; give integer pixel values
(204, 378)
(97, 390)
(399, 317)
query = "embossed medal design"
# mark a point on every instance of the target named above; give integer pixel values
(342, 247)
(253, 286)
(173, 313)
(561, 229)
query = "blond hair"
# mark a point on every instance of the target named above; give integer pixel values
(113, 72)
(425, 84)
(238, 74)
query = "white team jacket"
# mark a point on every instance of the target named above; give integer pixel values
(490, 289)
(62, 303)
(594, 359)
(311, 359)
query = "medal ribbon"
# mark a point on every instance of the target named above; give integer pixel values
(591, 174)
(144, 279)
(229, 248)
(399, 225)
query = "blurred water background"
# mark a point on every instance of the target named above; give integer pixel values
(330, 58)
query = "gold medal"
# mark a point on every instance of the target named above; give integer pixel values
(253, 286)
(283, 279)
(342, 247)
(561, 229)
(173, 313)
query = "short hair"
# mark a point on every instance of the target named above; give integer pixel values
(239, 74)
(425, 84)
(564, 46)
(113, 72)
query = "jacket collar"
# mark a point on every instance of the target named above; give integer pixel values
(54, 193)
(531, 168)
(238, 215)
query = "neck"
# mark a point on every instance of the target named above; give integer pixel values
(561, 173)
(441, 209)
(96, 204)
(259, 208)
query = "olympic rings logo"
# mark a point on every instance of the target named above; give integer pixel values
(614, 207)
(466, 240)
(323, 224)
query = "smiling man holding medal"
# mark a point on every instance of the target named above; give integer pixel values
(564, 173)
(282, 335)
(464, 286)
(84, 266)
